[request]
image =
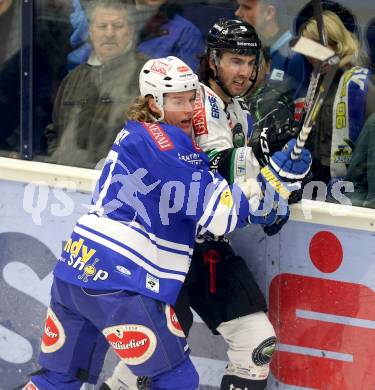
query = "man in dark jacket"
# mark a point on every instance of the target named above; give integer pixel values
(91, 101)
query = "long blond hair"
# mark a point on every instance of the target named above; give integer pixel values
(139, 110)
(341, 40)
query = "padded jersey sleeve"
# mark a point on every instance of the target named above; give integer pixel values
(186, 184)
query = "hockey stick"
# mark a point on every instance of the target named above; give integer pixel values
(312, 114)
(315, 77)
(324, 55)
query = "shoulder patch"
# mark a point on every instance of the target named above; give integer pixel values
(159, 136)
(199, 119)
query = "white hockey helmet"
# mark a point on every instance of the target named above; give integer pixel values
(165, 75)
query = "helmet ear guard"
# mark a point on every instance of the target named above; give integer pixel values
(166, 75)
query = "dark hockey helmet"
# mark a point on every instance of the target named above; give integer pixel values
(234, 35)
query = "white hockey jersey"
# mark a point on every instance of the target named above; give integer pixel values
(222, 131)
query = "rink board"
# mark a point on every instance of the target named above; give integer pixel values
(318, 275)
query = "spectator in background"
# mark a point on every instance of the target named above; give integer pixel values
(163, 33)
(361, 171)
(288, 69)
(168, 33)
(349, 102)
(92, 99)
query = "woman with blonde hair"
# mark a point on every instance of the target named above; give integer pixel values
(347, 105)
(340, 40)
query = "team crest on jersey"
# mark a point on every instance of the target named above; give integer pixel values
(172, 322)
(30, 386)
(54, 335)
(199, 118)
(159, 136)
(135, 344)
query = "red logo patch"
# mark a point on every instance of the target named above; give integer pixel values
(135, 344)
(54, 336)
(199, 118)
(182, 69)
(30, 386)
(160, 67)
(196, 146)
(159, 136)
(172, 322)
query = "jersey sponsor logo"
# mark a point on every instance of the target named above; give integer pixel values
(199, 118)
(226, 198)
(214, 107)
(78, 256)
(173, 324)
(152, 283)
(54, 335)
(159, 136)
(135, 344)
(30, 386)
(192, 158)
(123, 270)
(160, 67)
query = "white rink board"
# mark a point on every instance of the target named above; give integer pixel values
(30, 241)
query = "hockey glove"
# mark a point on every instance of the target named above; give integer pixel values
(273, 229)
(284, 174)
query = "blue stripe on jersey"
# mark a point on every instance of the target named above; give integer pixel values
(173, 250)
(217, 201)
(130, 249)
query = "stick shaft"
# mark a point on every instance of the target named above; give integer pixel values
(313, 112)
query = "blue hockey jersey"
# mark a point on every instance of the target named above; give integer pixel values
(154, 192)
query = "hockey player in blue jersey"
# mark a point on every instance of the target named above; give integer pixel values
(219, 285)
(126, 260)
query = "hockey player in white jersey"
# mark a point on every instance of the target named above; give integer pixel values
(126, 260)
(229, 301)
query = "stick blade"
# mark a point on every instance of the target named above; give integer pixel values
(312, 49)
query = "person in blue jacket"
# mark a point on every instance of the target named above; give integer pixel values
(122, 268)
(164, 33)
